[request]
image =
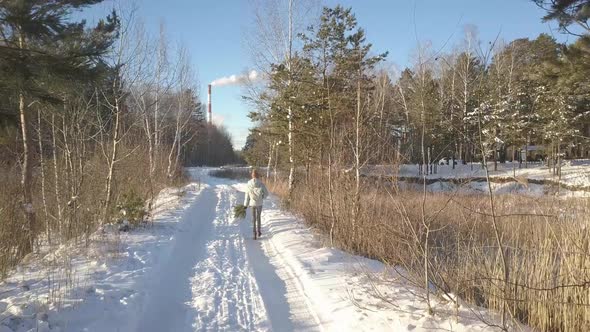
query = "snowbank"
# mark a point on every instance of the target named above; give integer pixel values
(352, 293)
(95, 287)
(535, 180)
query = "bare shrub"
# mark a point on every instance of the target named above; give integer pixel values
(81, 205)
(545, 241)
(11, 221)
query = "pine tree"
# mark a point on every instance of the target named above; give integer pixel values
(573, 82)
(567, 13)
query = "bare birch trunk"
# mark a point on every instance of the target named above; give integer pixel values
(178, 153)
(112, 162)
(150, 141)
(357, 166)
(160, 65)
(26, 171)
(171, 155)
(290, 109)
(558, 165)
(43, 178)
(268, 166)
(56, 177)
(69, 172)
(276, 164)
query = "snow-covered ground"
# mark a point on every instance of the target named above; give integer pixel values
(197, 269)
(576, 173)
(537, 179)
(515, 187)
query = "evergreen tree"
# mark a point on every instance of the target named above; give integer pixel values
(340, 54)
(567, 13)
(574, 84)
(574, 13)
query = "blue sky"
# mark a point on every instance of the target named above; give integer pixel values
(214, 31)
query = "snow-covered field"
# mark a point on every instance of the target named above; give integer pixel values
(498, 188)
(537, 179)
(197, 269)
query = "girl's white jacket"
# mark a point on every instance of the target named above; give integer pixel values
(256, 192)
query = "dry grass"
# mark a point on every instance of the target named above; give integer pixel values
(81, 204)
(545, 241)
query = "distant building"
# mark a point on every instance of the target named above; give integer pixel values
(533, 152)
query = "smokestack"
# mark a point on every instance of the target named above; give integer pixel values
(209, 103)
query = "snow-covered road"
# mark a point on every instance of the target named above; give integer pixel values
(197, 269)
(217, 278)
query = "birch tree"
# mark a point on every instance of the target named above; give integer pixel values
(39, 41)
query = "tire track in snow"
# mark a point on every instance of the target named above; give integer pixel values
(166, 307)
(299, 300)
(288, 306)
(225, 294)
(215, 278)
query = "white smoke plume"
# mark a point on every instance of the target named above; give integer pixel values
(237, 79)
